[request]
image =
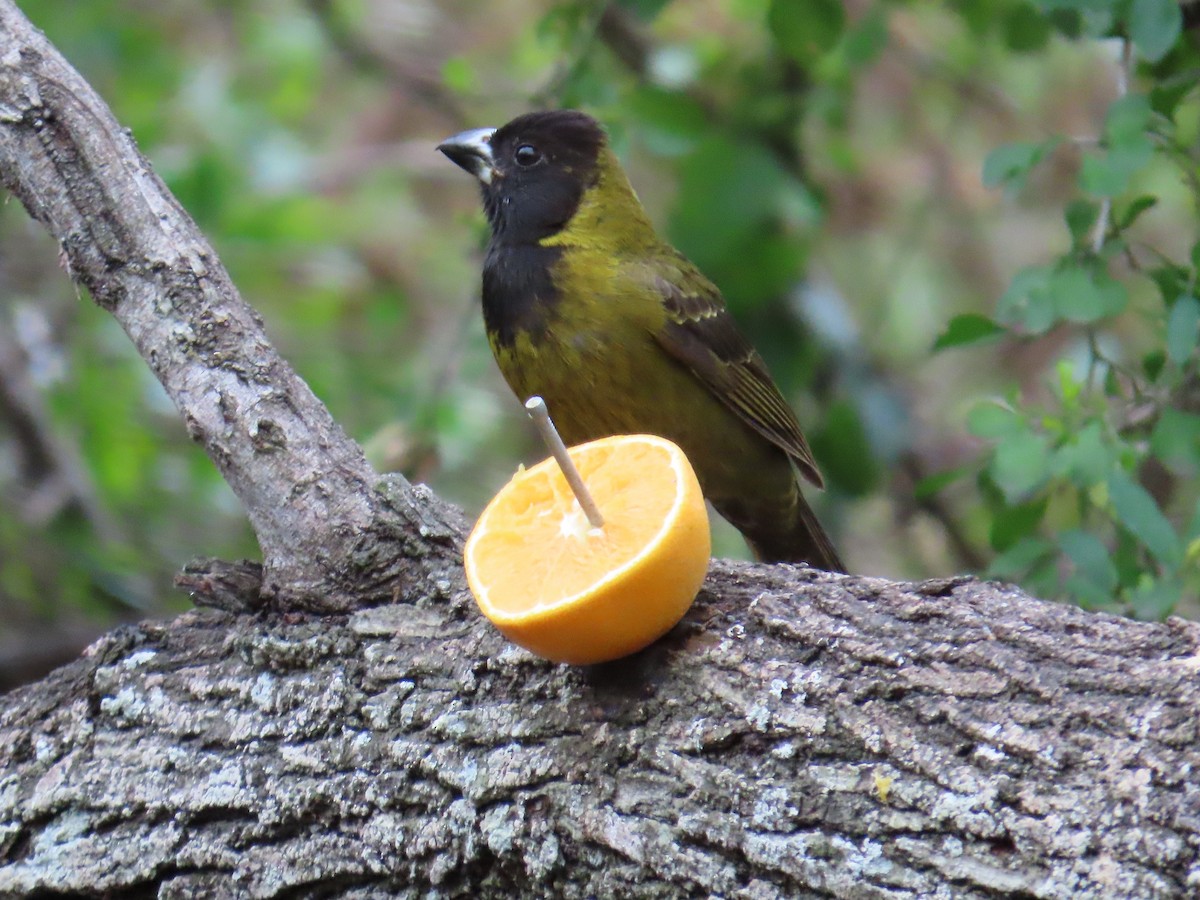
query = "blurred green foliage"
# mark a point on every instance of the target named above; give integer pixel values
(963, 236)
(1091, 487)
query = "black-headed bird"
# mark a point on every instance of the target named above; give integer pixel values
(587, 306)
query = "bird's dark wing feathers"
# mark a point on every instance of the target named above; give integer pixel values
(701, 334)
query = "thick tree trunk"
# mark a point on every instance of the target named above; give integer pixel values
(798, 735)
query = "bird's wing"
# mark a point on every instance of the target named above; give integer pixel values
(701, 334)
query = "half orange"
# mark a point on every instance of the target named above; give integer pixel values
(572, 593)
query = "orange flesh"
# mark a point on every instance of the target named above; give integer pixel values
(546, 552)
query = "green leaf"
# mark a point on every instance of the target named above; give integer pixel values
(968, 328)
(1086, 295)
(1154, 26)
(1136, 207)
(806, 29)
(1140, 515)
(1020, 463)
(731, 193)
(1087, 459)
(1067, 22)
(1020, 558)
(865, 40)
(1011, 163)
(1028, 302)
(1025, 29)
(932, 485)
(1085, 593)
(1175, 441)
(1182, 326)
(844, 450)
(1091, 558)
(1012, 523)
(1152, 364)
(1127, 147)
(671, 121)
(1096, 17)
(1172, 281)
(459, 75)
(1193, 533)
(1069, 386)
(1155, 599)
(1081, 217)
(1128, 556)
(646, 10)
(1108, 174)
(1127, 119)
(1111, 294)
(992, 420)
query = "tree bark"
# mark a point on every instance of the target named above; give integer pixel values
(798, 735)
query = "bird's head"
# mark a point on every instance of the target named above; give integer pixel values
(534, 171)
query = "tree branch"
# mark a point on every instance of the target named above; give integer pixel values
(307, 488)
(798, 735)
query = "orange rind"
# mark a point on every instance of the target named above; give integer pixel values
(572, 593)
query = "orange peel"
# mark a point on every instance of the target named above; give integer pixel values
(572, 593)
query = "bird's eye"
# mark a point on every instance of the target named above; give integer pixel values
(527, 155)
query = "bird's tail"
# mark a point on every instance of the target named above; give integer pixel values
(801, 540)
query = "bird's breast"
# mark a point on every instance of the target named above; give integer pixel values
(577, 337)
(520, 295)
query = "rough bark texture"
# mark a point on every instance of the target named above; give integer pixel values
(798, 735)
(306, 487)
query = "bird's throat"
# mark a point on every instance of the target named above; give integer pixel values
(519, 293)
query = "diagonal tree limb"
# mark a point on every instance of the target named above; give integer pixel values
(306, 487)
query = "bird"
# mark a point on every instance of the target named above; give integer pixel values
(585, 305)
